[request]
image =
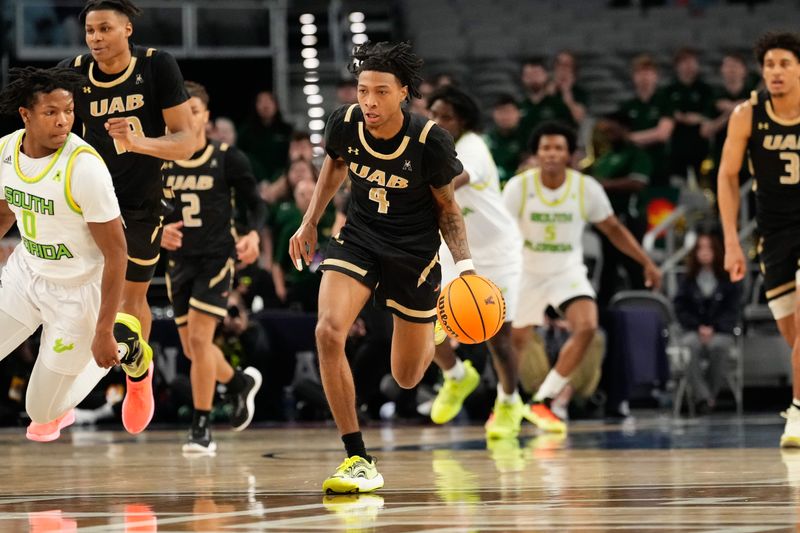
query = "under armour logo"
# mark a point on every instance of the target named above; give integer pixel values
(407, 166)
(139, 79)
(214, 163)
(87, 90)
(763, 125)
(57, 176)
(351, 150)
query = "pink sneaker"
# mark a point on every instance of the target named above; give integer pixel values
(138, 405)
(51, 430)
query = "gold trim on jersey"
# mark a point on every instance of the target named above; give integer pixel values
(150, 52)
(789, 286)
(144, 262)
(199, 161)
(424, 135)
(538, 185)
(345, 265)
(181, 320)
(397, 153)
(155, 231)
(410, 312)
(113, 83)
(753, 97)
(168, 282)
(44, 172)
(427, 270)
(349, 112)
(208, 308)
(223, 147)
(78, 61)
(68, 178)
(222, 273)
(775, 118)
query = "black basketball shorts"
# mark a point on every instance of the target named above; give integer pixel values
(202, 283)
(143, 237)
(779, 253)
(407, 284)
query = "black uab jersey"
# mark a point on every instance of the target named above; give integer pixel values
(206, 189)
(774, 151)
(391, 179)
(152, 82)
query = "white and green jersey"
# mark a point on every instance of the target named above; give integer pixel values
(491, 233)
(53, 199)
(552, 220)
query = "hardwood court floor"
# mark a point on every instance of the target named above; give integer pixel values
(711, 474)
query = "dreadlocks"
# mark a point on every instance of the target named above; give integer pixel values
(394, 58)
(28, 82)
(125, 7)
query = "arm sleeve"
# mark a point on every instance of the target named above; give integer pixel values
(596, 202)
(439, 160)
(239, 175)
(92, 189)
(333, 132)
(169, 89)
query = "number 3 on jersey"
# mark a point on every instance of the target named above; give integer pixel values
(137, 130)
(792, 168)
(378, 194)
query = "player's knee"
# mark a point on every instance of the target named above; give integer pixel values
(407, 377)
(197, 344)
(330, 337)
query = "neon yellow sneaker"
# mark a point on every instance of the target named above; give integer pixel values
(505, 420)
(357, 511)
(439, 335)
(791, 433)
(448, 402)
(540, 415)
(355, 474)
(134, 353)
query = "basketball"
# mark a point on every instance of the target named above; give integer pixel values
(471, 309)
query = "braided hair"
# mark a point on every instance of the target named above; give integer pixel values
(394, 58)
(26, 83)
(126, 7)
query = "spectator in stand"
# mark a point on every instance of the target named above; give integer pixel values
(707, 306)
(690, 98)
(264, 137)
(504, 137)
(300, 149)
(224, 130)
(623, 169)
(649, 116)
(540, 103)
(565, 75)
(736, 87)
(420, 105)
(346, 91)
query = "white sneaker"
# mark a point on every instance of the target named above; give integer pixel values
(791, 433)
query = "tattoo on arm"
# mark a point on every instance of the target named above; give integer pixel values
(451, 223)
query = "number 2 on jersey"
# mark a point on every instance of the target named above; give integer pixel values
(136, 128)
(190, 212)
(792, 168)
(378, 194)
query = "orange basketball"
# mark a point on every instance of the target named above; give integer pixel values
(471, 309)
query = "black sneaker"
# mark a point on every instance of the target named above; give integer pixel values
(244, 401)
(200, 443)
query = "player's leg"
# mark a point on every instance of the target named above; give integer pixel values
(12, 333)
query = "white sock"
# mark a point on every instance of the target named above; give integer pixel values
(552, 385)
(457, 372)
(504, 397)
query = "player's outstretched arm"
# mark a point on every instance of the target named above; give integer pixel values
(733, 152)
(451, 224)
(177, 144)
(626, 243)
(304, 241)
(111, 240)
(7, 218)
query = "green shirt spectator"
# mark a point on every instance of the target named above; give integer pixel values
(504, 138)
(264, 137)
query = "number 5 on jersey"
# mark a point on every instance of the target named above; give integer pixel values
(378, 194)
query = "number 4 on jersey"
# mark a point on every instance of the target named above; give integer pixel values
(378, 194)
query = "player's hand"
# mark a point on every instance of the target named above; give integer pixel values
(104, 349)
(172, 236)
(734, 261)
(121, 130)
(247, 249)
(652, 276)
(303, 244)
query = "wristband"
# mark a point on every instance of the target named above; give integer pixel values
(464, 265)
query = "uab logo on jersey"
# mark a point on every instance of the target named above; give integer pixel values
(378, 177)
(107, 106)
(781, 142)
(189, 183)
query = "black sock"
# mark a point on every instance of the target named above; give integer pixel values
(140, 378)
(200, 421)
(237, 382)
(354, 445)
(794, 402)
